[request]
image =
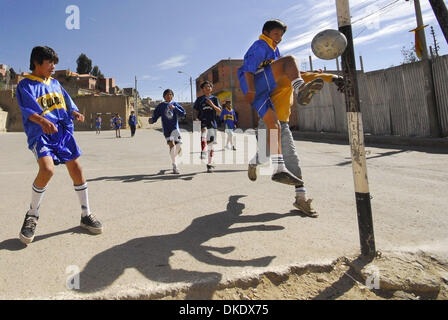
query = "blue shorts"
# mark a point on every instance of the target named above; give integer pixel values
(61, 146)
(264, 86)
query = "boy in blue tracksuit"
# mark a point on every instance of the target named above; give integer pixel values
(228, 116)
(47, 115)
(132, 121)
(169, 111)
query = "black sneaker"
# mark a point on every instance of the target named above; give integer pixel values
(286, 177)
(28, 229)
(210, 168)
(92, 224)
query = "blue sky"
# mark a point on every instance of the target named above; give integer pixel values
(153, 40)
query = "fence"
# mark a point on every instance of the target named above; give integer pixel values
(393, 102)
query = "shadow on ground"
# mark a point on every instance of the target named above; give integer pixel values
(150, 255)
(162, 175)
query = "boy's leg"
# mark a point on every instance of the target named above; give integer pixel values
(281, 173)
(288, 66)
(88, 220)
(211, 136)
(46, 169)
(292, 162)
(173, 154)
(203, 142)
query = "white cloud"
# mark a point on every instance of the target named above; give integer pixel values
(173, 62)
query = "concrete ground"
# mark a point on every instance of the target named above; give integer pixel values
(164, 232)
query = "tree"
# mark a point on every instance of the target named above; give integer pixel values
(409, 55)
(84, 64)
(97, 72)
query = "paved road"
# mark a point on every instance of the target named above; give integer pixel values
(163, 231)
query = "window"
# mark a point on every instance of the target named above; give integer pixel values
(215, 75)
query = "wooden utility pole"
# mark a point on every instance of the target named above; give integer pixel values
(356, 132)
(441, 13)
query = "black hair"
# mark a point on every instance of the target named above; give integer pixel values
(39, 54)
(203, 84)
(274, 24)
(167, 91)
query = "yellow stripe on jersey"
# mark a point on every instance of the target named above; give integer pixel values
(50, 102)
(46, 81)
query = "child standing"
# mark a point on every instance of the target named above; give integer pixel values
(170, 111)
(132, 121)
(206, 108)
(228, 115)
(117, 125)
(268, 82)
(47, 114)
(98, 121)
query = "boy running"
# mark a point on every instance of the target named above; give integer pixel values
(206, 109)
(268, 82)
(47, 114)
(228, 115)
(170, 111)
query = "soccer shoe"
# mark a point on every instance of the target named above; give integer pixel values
(252, 172)
(308, 90)
(175, 170)
(28, 229)
(92, 224)
(286, 177)
(210, 168)
(233, 148)
(305, 207)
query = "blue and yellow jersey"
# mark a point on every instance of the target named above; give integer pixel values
(260, 54)
(48, 99)
(229, 118)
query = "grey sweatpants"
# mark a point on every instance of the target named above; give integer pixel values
(290, 155)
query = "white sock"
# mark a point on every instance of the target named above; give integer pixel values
(296, 84)
(210, 153)
(173, 153)
(278, 163)
(83, 196)
(301, 193)
(37, 194)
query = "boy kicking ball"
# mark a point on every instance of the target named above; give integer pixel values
(170, 111)
(47, 113)
(268, 81)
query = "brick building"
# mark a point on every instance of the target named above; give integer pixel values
(226, 86)
(85, 81)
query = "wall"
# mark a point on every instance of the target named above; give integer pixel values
(393, 102)
(88, 105)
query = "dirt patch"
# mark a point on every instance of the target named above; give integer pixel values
(391, 276)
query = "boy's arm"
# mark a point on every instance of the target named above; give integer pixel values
(72, 109)
(155, 115)
(214, 106)
(179, 109)
(47, 126)
(250, 94)
(31, 109)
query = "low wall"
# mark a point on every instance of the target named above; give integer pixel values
(3, 118)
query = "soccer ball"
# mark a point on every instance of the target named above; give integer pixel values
(329, 44)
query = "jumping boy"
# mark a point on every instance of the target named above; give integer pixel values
(228, 116)
(47, 114)
(206, 109)
(170, 111)
(291, 158)
(268, 81)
